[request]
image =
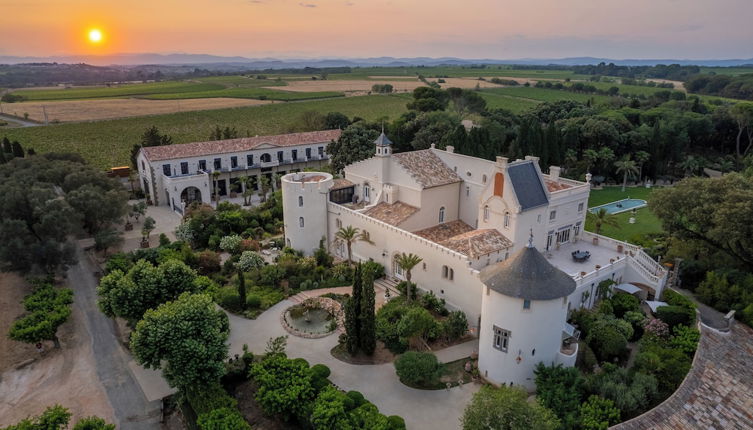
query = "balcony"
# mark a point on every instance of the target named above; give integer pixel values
(269, 164)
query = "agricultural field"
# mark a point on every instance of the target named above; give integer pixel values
(453, 72)
(125, 90)
(512, 103)
(537, 95)
(289, 94)
(100, 109)
(733, 71)
(108, 143)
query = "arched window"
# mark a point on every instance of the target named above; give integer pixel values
(507, 220)
(366, 191)
(266, 158)
(338, 223)
(300, 222)
(452, 275)
(300, 201)
(486, 213)
(483, 179)
(445, 271)
(441, 215)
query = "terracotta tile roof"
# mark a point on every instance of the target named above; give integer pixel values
(339, 183)
(478, 242)
(197, 149)
(426, 168)
(552, 186)
(392, 214)
(464, 239)
(444, 231)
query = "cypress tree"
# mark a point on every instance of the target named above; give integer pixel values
(6, 146)
(18, 151)
(31, 151)
(242, 288)
(352, 313)
(368, 317)
(3, 160)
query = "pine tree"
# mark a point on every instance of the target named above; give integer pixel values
(18, 151)
(352, 313)
(368, 318)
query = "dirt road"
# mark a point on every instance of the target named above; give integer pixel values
(89, 375)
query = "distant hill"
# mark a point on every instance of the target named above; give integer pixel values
(205, 60)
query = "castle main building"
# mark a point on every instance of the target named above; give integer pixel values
(496, 238)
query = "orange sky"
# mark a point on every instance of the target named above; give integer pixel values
(365, 28)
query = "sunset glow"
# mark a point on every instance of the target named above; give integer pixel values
(95, 35)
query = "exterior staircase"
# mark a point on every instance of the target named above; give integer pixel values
(388, 283)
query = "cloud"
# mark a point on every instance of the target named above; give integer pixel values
(306, 5)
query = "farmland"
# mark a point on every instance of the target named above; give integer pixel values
(99, 109)
(127, 90)
(107, 143)
(544, 95)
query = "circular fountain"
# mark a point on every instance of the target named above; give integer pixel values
(313, 318)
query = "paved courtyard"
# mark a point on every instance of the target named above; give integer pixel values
(440, 409)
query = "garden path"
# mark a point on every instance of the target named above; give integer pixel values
(437, 409)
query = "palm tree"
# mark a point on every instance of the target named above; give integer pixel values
(600, 219)
(245, 183)
(591, 157)
(264, 184)
(407, 262)
(641, 157)
(348, 235)
(627, 167)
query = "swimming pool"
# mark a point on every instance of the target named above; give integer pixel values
(620, 206)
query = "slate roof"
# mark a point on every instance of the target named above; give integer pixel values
(426, 168)
(527, 185)
(462, 238)
(198, 149)
(528, 275)
(391, 213)
(382, 140)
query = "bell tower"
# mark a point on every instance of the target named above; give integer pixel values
(383, 146)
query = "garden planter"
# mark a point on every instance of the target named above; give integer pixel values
(145, 243)
(128, 226)
(619, 248)
(596, 241)
(598, 267)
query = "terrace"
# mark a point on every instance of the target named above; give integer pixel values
(602, 255)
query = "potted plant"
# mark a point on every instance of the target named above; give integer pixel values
(596, 241)
(598, 267)
(620, 248)
(146, 230)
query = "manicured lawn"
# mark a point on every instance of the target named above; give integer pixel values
(645, 221)
(108, 143)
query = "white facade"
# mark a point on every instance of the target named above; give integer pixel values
(462, 214)
(177, 175)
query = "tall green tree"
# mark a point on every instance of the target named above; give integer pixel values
(506, 408)
(356, 143)
(367, 337)
(353, 312)
(185, 338)
(18, 150)
(150, 137)
(743, 116)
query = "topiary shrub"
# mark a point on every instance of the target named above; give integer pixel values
(356, 397)
(320, 371)
(417, 369)
(396, 422)
(676, 315)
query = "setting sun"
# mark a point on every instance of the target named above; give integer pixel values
(95, 35)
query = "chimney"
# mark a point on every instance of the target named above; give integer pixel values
(450, 149)
(502, 162)
(554, 173)
(532, 158)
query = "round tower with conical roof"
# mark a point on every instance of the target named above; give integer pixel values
(523, 317)
(304, 209)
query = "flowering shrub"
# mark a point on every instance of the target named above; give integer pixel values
(656, 328)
